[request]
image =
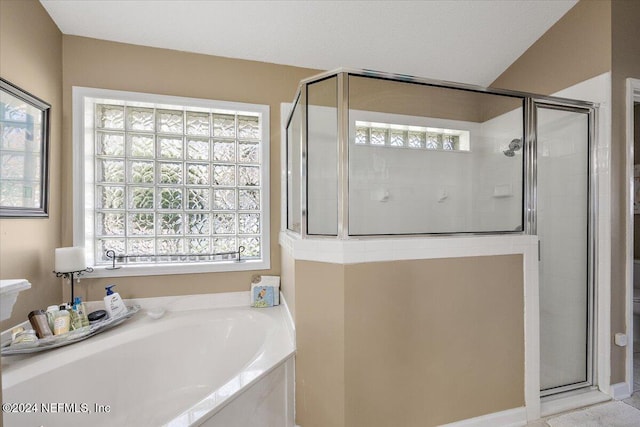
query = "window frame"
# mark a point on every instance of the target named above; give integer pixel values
(84, 182)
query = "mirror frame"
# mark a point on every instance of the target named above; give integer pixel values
(41, 208)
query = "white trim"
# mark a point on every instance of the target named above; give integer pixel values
(603, 232)
(77, 175)
(83, 188)
(602, 349)
(161, 269)
(283, 301)
(360, 250)
(632, 95)
(621, 391)
(510, 417)
(531, 270)
(572, 400)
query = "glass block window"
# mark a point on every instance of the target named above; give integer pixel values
(174, 184)
(401, 136)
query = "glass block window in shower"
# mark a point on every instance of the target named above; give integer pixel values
(427, 159)
(416, 137)
(176, 183)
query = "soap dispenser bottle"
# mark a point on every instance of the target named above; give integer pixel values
(114, 304)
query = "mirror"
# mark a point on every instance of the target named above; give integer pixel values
(24, 148)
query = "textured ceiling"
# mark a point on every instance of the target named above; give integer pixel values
(464, 41)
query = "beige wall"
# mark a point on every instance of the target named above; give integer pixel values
(391, 343)
(373, 94)
(625, 48)
(574, 49)
(320, 343)
(418, 333)
(31, 58)
(108, 65)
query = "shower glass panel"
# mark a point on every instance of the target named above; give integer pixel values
(322, 157)
(563, 229)
(295, 139)
(431, 159)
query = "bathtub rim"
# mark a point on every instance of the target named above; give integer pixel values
(287, 318)
(274, 352)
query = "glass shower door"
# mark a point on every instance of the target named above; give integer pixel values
(566, 296)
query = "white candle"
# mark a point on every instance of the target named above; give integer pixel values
(70, 259)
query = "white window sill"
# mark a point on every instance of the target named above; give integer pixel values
(187, 268)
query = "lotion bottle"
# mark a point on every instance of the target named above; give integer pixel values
(61, 322)
(114, 304)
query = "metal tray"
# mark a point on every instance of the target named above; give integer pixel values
(70, 337)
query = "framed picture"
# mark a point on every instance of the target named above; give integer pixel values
(24, 153)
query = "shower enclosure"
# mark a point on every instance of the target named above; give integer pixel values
(371, 155)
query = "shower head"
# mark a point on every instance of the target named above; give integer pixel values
(514, 145)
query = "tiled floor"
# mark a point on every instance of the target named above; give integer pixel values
(624, 413)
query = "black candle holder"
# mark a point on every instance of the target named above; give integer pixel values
(71, 275)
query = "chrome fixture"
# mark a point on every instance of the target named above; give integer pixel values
(514, 145)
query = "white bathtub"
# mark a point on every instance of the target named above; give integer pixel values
(211, 361)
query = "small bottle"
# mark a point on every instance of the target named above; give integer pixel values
(62, 321)
(81, 311)
(38, 319)
(51, 314)
(74, 319)
(114, 304)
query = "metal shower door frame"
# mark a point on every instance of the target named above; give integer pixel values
(531, 201)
